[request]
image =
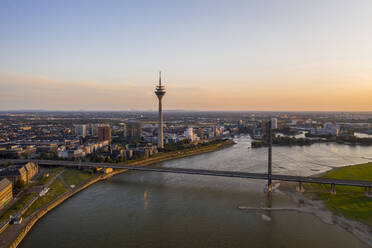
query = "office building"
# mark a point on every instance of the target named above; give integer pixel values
(81, 130)
(104, 133)
(274, 123)
(133, 131)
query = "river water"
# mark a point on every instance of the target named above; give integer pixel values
(148, 209)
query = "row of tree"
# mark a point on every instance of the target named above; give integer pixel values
(187, 144)
(283, 141)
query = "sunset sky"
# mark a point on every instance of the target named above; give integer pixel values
(215, 55)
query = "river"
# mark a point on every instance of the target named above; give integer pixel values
(148, 209)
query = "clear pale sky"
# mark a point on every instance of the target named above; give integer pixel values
(215, 55)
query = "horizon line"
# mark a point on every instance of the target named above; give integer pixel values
(182, 110)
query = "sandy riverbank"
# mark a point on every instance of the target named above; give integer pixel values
(14, 234)
(320, 210)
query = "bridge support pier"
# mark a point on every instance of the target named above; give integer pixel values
(269, 188)
(300, 188)
(270, 147)
(333, 189)
(367, 191)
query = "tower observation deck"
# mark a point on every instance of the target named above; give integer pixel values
(160, 92)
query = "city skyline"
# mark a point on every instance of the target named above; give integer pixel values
(192, 123)
(217, 55)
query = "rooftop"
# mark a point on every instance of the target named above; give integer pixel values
(4, 183)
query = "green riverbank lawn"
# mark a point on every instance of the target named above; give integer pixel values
(42, 179)
(350, 202)
(76, 177)
(17, 206)
(360, 172)
(56, 189)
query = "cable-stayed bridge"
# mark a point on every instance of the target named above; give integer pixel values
(219, 173)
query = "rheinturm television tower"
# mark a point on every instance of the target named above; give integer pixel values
(160, 92)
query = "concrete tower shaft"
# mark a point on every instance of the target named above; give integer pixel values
(160, 92)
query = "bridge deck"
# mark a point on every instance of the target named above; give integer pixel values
(236, 174)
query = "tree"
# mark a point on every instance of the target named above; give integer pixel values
(44, 155)
(20, 184)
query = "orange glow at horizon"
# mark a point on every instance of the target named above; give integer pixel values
(37, 92)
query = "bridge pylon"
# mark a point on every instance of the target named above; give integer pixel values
(270, 148)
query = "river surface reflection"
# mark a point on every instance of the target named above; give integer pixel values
(148, 209)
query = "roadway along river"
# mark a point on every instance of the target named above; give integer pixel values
(147, 209)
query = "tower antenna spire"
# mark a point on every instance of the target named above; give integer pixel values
(159, 78)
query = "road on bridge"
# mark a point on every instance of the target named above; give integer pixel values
(236, 174)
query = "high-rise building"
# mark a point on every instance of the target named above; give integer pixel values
(123, 127)
(189, 133)
(104, 133)
(160, 92)
(81, 130)
(92, 128)
(274, 123)
(133, 131)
